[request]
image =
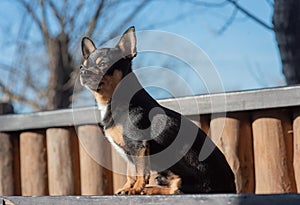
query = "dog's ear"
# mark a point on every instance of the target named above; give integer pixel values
(127, 43)
(87, 47)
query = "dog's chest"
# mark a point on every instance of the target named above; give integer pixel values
(114, 134)
(115, 137)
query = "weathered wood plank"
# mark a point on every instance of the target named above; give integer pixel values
(7, 159)
(272, 142)
(6, 165)
(47, 119)
(233, 136)
(203, 104)
(119, 166)
(236, 101)
(95, 155)
(33, 163)
(246, 155)
(17, 166)
(290, 199)
(75, 161)
(296, 160)
(59, 155)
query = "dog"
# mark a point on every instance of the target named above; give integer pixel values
(139, 128)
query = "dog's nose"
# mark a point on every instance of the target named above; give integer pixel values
(83, 70)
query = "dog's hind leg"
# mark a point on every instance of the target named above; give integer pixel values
(167, 184)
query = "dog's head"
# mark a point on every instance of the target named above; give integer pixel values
(102, 69)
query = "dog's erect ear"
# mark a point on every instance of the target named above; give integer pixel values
(127, 43)
(87, 47)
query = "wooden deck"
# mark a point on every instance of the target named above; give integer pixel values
(282, 199)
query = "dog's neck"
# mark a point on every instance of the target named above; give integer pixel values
(124, 92)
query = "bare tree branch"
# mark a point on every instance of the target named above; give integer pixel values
(44, 20)
(92, 24)
(19, 98)
(57, 15)
(247, 13)
(228, 22)
(58, 56)
(31, 12)
(130, 16)
(11, 69)
(166, 22)
(209, 4)
(76, 12)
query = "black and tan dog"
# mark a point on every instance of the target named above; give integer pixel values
(141, 129)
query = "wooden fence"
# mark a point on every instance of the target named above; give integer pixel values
(46, 153)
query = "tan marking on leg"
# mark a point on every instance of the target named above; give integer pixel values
(142, 167)
(131, 179)
(142, 164)
(172, 187)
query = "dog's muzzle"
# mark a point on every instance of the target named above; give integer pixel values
(91, 77)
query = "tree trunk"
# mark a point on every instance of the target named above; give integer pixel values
(286, 20)
(60, 63)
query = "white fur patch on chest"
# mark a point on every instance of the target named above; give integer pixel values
(117, 147)
(102, 109)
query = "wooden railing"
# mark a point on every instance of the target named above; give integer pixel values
(49, 153)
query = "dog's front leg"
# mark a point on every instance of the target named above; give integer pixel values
(142, 164)
(131, 179)
(138, 173)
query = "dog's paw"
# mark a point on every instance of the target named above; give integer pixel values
(160, 191)
(128, 191)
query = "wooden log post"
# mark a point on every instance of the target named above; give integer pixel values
(296, 160)
(202, 121)
(95, 161)
(119, 166)
(75, 161)
(272, 139)
(6, 157)
(60, 170)
(33, 163)
(17, 167)
(6, 165)
(233, 136)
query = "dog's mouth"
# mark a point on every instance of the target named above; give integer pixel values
(90, 79)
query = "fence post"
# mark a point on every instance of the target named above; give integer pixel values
(233, 136)
(95, 161)
(75, 161)
(33, 163)
(6, 157)
(296, 160)
(272, 140)
(119, 170)
(6, 165)
(60, 170)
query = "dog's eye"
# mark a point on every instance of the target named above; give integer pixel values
(101, 64)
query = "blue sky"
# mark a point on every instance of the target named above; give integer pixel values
(245, 55)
